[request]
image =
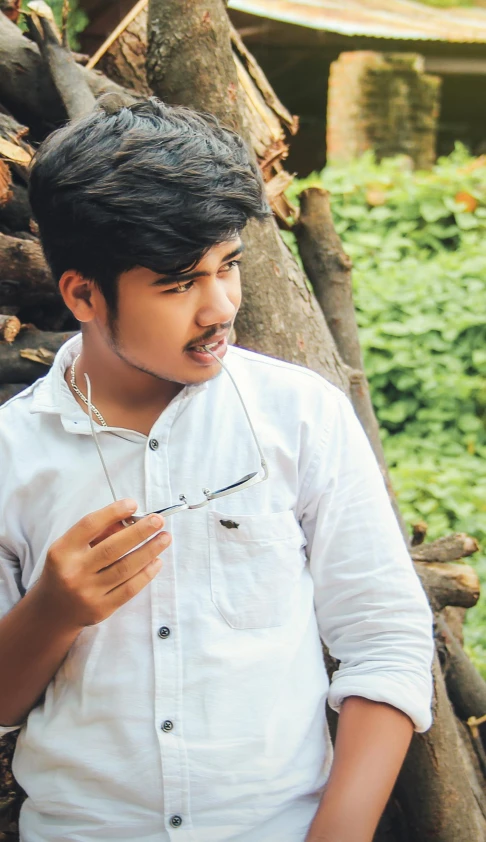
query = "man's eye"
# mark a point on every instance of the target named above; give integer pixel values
(232, 264)
(180, 288)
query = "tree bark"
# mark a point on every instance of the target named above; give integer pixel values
(279, 316)
(449, 584)
(448, 548)
(17, 369)
(7, 391)
(434, 787)
(24, 275)
(123, 55)
(328, 268)
(466, 688)
(66, 75)
(16, 213)
(28, 92)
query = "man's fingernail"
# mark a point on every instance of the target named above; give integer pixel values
(130, 505)
(155, 520)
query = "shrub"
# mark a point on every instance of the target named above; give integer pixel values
(417, 244)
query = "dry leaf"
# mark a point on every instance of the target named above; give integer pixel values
(375, 196)
(14, 153)
(40, 9)
(465, 198)
(38, 355)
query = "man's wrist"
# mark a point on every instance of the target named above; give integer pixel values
(50, 615)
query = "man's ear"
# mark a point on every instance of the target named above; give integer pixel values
(77, 293)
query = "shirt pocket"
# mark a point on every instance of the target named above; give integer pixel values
(255, 564)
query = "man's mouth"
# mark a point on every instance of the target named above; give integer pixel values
(199, 353)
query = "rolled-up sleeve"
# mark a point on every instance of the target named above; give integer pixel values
(371, 609)
(10, 594)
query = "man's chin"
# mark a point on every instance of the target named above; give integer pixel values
(201, 374)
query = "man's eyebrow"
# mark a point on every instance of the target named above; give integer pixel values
(174, 278)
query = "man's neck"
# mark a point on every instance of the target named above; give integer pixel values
(125, 396)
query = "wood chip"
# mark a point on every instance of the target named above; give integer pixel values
(14, 153)
(5, 183)
(9, 327)
(38, 355)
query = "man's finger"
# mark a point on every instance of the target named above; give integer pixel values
(130, 565)
(91, 526)
(113, 548)
(112, 530)
(128, 590)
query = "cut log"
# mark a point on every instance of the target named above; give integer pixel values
(66, 75)
(448, 548)
(7, 391)
(16, 213)
(11, 9)
(14, 148)
(449, 584)
(5, 184)
(9, 327)
(435, 788)
(466, 688)
(328, 268)
(28, 91)
(122, 56)
(24, 275)
(16, 369)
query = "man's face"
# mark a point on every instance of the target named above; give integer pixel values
(161, 318)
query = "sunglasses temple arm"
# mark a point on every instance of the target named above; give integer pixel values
(222, 364)
(95, 436)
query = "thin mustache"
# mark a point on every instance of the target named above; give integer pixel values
(207, 337)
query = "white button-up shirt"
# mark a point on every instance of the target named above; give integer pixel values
(223, 647)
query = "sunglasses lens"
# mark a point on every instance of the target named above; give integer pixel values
(235, 484)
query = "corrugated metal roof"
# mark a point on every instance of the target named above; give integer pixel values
(391, 19)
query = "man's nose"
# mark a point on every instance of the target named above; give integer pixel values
(217, 307)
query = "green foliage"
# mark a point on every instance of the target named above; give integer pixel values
(417, 244)
(76, 23)
(447, 4)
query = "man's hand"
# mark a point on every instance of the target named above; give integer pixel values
(94, 568)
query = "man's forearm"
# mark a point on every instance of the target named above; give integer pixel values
(33, 645)
(371, 744)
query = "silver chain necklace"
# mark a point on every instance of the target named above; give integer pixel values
(83, 398)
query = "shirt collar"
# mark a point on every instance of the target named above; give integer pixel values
(53, 396)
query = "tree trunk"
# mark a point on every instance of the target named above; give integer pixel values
(434, 786)
(328, 268)
(279, 315)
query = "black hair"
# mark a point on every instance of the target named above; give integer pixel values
(146, 185)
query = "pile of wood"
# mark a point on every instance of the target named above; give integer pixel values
(189, 54)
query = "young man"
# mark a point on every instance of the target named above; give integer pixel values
(167, 678)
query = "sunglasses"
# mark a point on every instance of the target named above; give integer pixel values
(245, 482)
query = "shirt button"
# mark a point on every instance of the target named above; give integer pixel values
(167, 725)
(164, 631)
(153, 444)
(176, 821)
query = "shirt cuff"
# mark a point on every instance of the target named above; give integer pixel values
(410, 693)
